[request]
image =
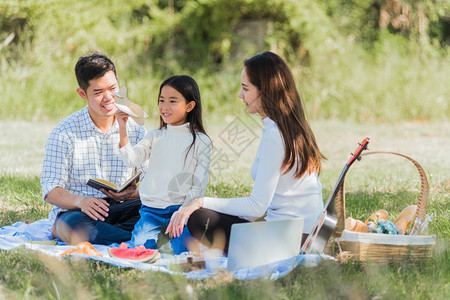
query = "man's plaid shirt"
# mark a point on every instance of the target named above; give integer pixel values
(77, 150)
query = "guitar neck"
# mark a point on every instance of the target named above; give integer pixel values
(329, 205)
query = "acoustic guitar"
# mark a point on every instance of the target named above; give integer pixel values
(326, 223)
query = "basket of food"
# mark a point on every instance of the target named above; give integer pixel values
(379, 240)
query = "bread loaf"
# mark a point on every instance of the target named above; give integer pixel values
(405, 218)
(355, 225)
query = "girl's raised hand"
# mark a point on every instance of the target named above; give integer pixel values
(121, 117)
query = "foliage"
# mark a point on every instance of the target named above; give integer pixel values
(347, 62)
(416, 19)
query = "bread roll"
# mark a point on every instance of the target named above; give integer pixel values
(405, 218)
(355, 225)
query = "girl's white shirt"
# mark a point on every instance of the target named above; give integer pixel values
(172, 177)
(282, 196)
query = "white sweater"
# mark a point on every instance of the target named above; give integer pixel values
(282, 196)
(172, 178)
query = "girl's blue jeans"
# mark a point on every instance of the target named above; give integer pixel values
(152, 223)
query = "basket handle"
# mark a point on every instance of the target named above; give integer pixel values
(421, 206)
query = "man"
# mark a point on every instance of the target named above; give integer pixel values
(84, 146)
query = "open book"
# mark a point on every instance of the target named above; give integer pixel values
(105, 184)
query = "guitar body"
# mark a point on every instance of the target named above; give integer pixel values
(326, 224)
(326, 231)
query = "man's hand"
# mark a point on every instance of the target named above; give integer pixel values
(176, 224)
(95, 208)
(130, 193)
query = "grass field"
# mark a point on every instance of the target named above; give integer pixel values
(375, 182)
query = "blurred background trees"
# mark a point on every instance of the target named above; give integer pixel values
(364, 60)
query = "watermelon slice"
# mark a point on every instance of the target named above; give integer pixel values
(139, 254)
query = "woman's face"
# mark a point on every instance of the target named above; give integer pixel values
(251, 96)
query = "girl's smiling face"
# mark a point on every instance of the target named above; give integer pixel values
(250, 95)
(173, 107)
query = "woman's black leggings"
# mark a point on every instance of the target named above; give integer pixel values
(212, 228)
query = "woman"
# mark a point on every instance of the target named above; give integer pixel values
(286, 167)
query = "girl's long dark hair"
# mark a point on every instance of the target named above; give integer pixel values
(187, 87)
(281, 102)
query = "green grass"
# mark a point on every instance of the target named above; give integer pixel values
(21, 200)
(374, 182)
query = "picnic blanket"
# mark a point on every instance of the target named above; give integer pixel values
(20, 234)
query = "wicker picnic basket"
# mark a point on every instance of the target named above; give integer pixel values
(384, 248)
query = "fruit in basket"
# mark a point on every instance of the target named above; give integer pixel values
(405, 218)
(379, 215)
(355, 225)
(139, 254)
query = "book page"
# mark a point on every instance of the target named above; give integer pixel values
(102, 183)
(129, 181)
(106, 182)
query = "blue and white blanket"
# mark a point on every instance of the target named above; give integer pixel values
(20, 234)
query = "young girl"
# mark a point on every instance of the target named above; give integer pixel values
(178, 155)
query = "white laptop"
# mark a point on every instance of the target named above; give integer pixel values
(254, 244)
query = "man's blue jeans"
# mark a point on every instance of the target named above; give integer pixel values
(116, 228)
(152, 223)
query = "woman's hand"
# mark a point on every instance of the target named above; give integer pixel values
(176, 225)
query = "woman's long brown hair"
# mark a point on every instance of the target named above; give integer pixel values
(281, 102)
